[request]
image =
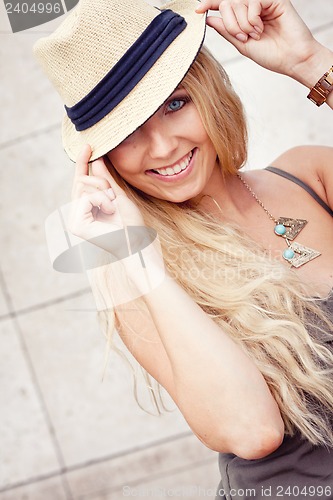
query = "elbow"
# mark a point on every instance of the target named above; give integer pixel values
(250, 445)
(261, 444)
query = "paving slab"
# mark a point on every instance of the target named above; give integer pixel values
(27, 449)
(179, 463)
(31, 102)
(36, 180)
(200, 481)
(197, 482)
(49, 489)
(91, 418)
(4, 310)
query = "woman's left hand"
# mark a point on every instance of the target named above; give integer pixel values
(100, 206)
(270, 32)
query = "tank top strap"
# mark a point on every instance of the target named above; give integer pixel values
(302, 184)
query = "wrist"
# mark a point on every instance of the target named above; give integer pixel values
(124, 281)
(314, 66)
(145, 268)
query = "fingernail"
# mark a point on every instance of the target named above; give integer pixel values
(258, 29)
(241, 37)
(256, 36)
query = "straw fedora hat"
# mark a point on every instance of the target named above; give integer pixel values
(114, 63)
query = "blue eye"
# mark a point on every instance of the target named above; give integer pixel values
(177, 104)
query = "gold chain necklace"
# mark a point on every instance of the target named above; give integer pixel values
(296, 254)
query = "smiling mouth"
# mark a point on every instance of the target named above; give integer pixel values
(175, 169)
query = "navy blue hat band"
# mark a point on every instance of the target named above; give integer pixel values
(128, 71)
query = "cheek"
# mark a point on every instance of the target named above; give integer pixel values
(125, 160)
(117, 155)
(197, 128)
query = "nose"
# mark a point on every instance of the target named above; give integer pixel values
(161, 141)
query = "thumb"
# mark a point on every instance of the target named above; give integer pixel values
(206, 5)
(99, 168)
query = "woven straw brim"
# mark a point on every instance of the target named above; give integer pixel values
(148, 95)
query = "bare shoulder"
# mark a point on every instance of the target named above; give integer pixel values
(313, 165)
(306, 160)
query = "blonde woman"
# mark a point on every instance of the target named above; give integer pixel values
(237, 328)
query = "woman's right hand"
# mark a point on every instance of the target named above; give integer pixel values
(272, 34)
(99, 204)
(268, 31)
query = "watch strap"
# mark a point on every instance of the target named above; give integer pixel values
(319, 92)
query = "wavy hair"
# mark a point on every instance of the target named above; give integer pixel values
(257, 300)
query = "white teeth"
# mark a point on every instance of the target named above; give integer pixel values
(177, 168)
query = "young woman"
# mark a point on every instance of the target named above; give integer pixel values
(243, 344)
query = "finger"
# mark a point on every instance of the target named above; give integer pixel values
(99, 169)
(82, 161)
(87, 190)
(242, 16)
(231, 23)
(88, 184)
(254, 18)
(93, 182)
(103, 200)
(208, 5)
(217, 24)
(85, 213)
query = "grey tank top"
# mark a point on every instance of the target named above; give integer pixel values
(296, 470)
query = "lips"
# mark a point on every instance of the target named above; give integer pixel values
(175, 171)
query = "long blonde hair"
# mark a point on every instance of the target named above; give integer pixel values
(257, 300)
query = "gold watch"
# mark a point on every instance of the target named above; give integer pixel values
(319, 92)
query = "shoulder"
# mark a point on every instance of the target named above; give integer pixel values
(306, 160)
(313, 165)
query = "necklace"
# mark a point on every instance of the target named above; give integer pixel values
(295, 253)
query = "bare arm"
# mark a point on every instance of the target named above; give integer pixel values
(220, 392)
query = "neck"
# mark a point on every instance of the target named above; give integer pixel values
(222, 196)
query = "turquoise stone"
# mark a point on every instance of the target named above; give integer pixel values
(288, 254)
(280, 229)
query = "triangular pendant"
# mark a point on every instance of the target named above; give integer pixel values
(302, 254)
(293, 227)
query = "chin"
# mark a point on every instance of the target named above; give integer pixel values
(178, 199)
